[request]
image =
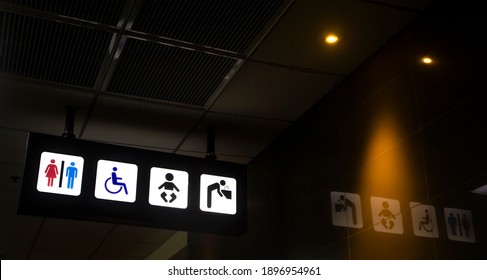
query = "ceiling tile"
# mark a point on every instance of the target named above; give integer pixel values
(228, 25)
(235, 135)
(296, 40)
(155, 71)
(275, 92)
(50, 50)
(41, 109)
(13, 145)
(131, 122)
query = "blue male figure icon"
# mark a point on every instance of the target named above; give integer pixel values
(71, 173)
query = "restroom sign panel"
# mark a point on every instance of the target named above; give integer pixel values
(60, 174)
(218, 194)
(424, 220)
(346, 209)
(116, 181)
(386, 215)
(168, 188)
(459, 225)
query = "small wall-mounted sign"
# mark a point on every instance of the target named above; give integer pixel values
(386, 215)
(424, 221)
(459, 225)
(346, 209)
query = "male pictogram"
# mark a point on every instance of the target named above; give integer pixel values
(71, 173)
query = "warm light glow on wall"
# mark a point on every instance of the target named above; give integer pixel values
(386, 169)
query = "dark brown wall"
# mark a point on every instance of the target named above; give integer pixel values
(397, 129)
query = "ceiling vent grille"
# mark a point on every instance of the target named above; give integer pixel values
(226, 25)
(51, 51)
(156, 71)
(101, 11)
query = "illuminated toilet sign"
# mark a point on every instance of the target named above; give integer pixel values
(77, 179)
(60, 174)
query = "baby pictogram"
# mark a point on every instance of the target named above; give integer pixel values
(168, 186)
(387, 217)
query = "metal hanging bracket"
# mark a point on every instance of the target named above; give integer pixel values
(210, 143)
(69, 124)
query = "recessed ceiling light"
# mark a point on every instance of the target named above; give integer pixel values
(331, 39)
(426, 60)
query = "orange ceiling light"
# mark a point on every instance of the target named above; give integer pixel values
(426, 60)
(331, 39)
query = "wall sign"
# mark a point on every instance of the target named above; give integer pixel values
(386, 215)
(346, 209)
(424, 220)
(459, 225)
(77, 179)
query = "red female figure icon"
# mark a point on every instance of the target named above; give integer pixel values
(51, 173)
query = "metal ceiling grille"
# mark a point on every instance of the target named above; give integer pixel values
(157, 71)
(51, 51)
(102, 11)
(227, 25)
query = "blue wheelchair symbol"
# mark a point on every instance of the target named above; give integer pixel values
(115, 182)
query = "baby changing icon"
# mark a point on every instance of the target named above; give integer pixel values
(218, 194)
(386, 215)
(168, 187)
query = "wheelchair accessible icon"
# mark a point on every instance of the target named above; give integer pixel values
(116, 181)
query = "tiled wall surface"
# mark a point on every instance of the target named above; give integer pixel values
(395, 129)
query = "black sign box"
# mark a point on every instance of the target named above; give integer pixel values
(86, 206)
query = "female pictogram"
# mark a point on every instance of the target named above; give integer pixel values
(387, 216)
(51, 172)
